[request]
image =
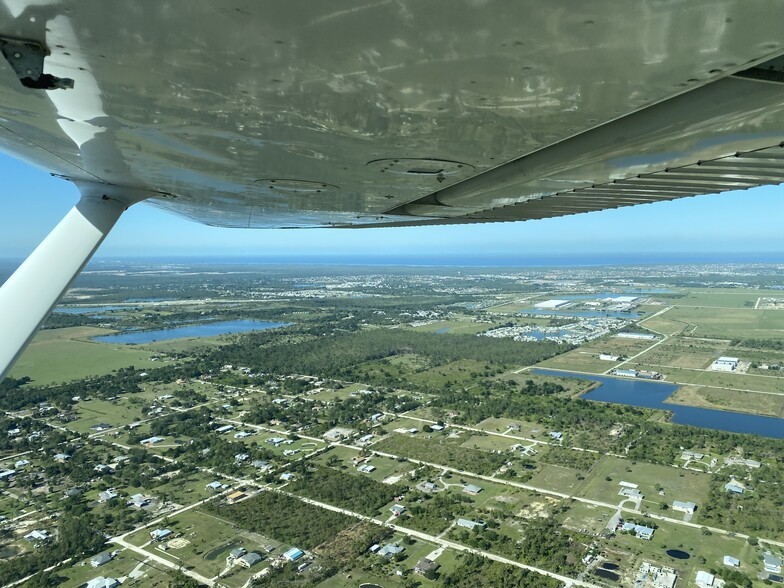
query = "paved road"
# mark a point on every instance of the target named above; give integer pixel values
(572, 497)
(163, 561)
(568, 581)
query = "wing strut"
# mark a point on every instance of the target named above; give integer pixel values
(29, 295)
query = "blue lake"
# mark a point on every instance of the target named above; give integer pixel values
(201, 330)
(89, 309)
(444, 330)
(647, 394)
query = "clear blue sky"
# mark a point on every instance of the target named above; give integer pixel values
(32, 203)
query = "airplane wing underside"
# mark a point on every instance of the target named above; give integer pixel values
(292, 114)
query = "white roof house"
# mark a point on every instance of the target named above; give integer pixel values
(771, 563)
(687, 507)
(468, 524)
(731, 561)
(101, 582)
(705, 580)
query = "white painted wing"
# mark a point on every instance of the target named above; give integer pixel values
(291, 114)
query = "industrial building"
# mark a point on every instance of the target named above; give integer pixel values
(725, 364)
(551, 304)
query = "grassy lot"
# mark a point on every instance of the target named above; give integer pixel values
(123, 564)
(501, 425)
(456, 327)
(385, 466)
(667, 536)
(586, 357)
(579, 360)
(459, 372)
(678, 484)
(665, 324)
(441, 452)
(725, 297)
(492, 443)
(730, 323)
(373, 569)
(210, 540)
(718, 379)
(592, 518)
(558, 478)
(116, 413)
(732, 400)
(685, 353)
(61, 355)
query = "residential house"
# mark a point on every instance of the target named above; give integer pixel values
(470, 525)
(101, 559)
(249, 559)
(390, 550)
(37, 536)
(151, 440)
(771, 563)
(107, 495)
(139, 500)
(160, 534)
(687, 507)
(427, 568)
(235, 496)
(101, 582)
(705, 580)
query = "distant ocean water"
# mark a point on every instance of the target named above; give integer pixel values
(522, 260)
(490, 260)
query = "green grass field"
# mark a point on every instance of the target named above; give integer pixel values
(729, 323)
(456, 327)
(732, 400)
(61, 355)
(678, 484)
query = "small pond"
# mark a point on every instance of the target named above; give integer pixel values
(678, 554)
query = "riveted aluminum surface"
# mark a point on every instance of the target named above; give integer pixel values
(198, 99)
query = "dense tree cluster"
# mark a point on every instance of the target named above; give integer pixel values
(76, 538)
(337, 355)
(477, 572)
(358, 493)
(544, 543)
(284, 518)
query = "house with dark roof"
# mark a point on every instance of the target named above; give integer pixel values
(427, 568)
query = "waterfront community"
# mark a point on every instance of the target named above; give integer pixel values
(246, 425)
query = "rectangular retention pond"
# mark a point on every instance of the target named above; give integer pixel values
(649, 394)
